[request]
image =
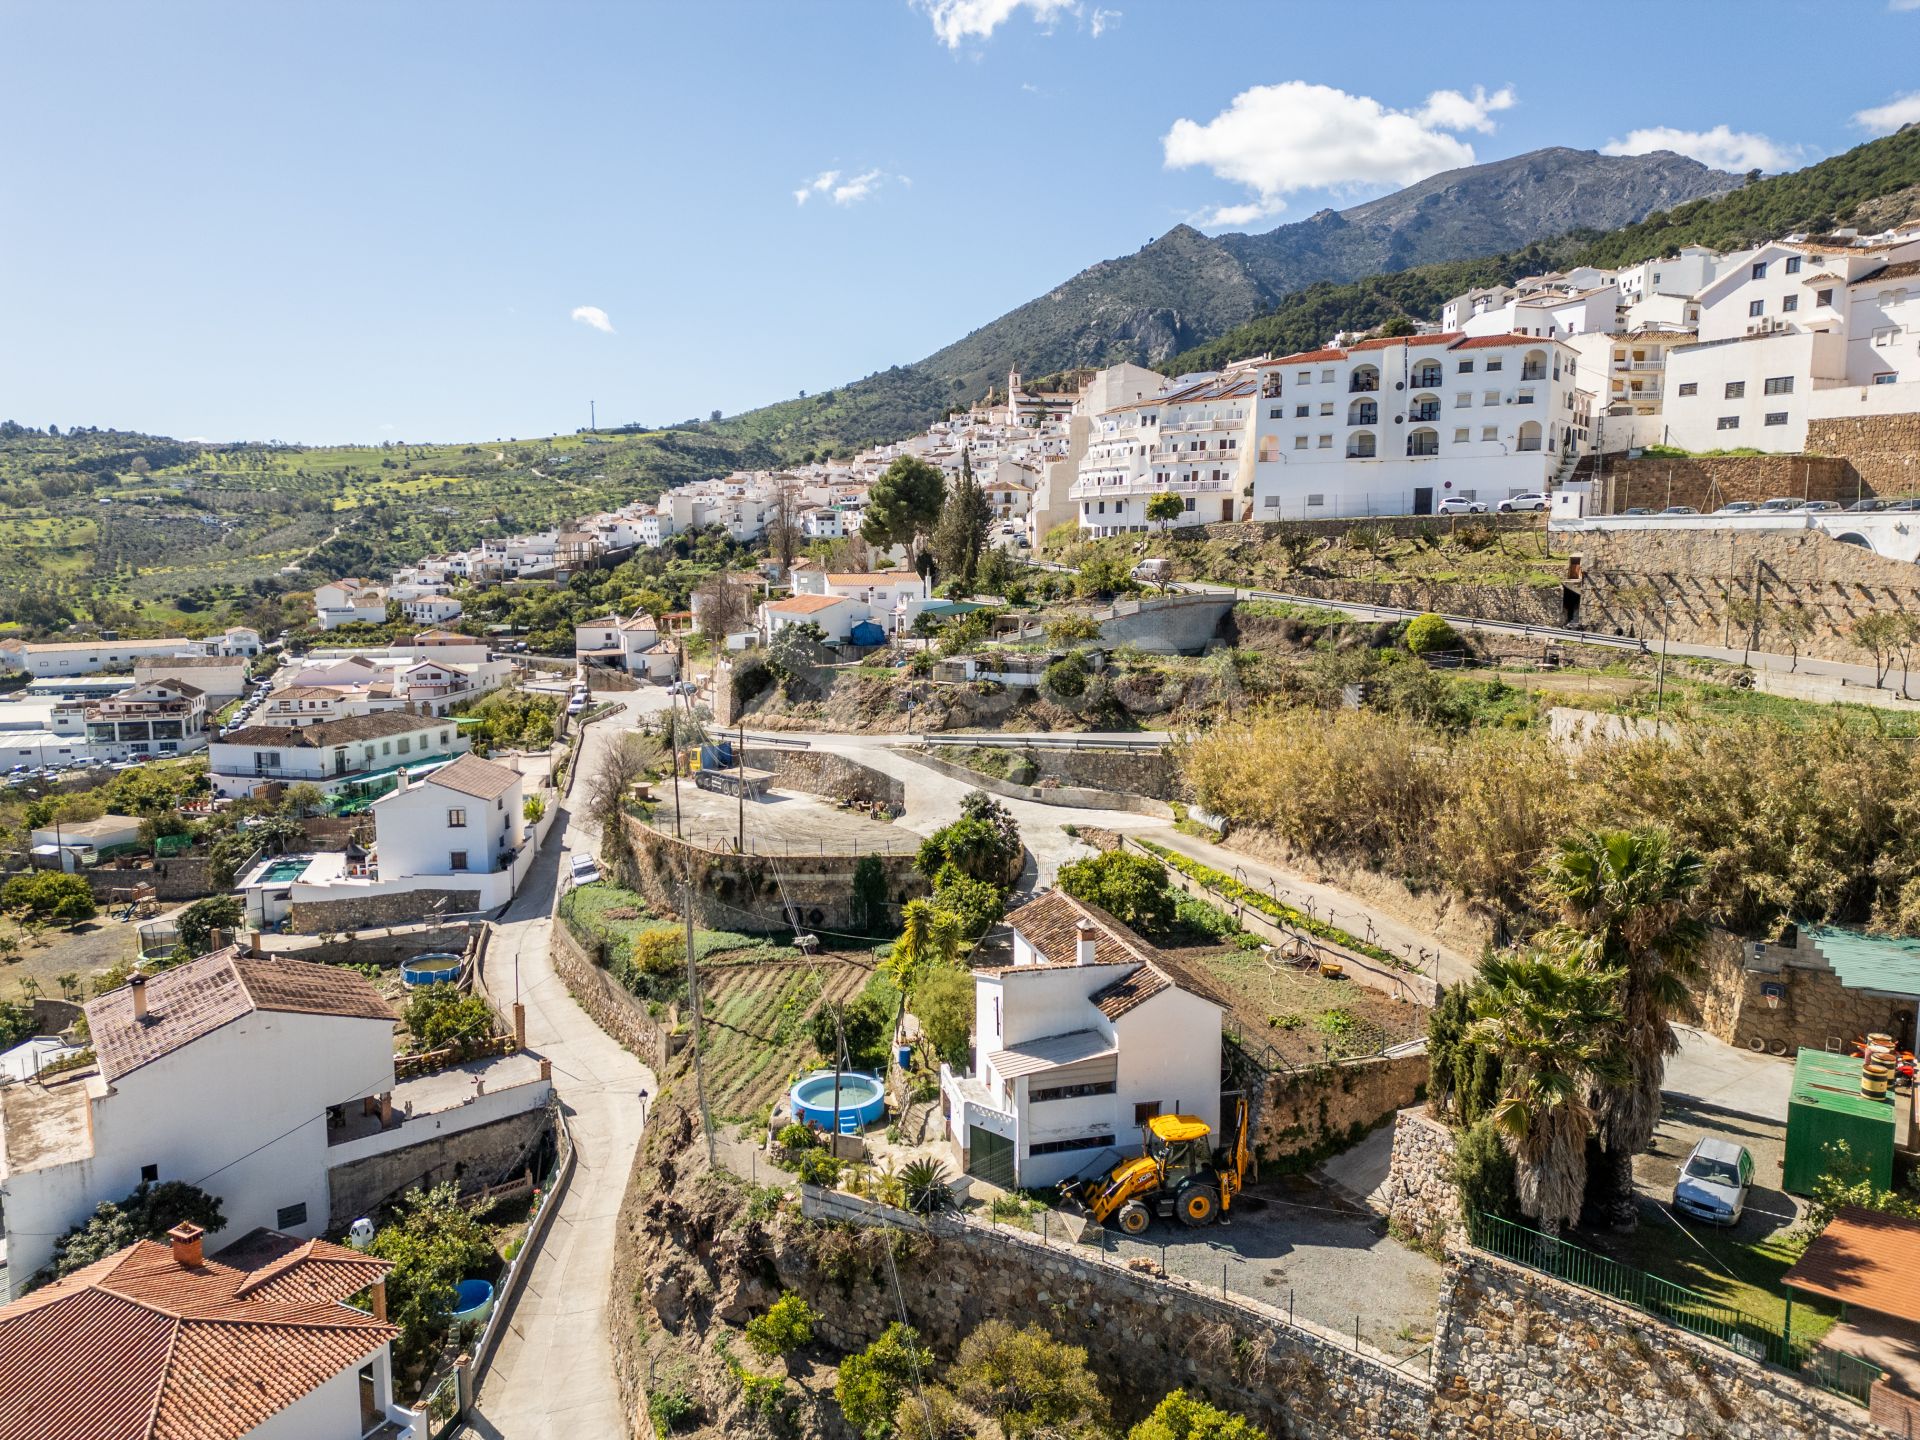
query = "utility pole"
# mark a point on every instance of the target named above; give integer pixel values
(839, 1051)
(673, 740)
(593, 419)
(1660, 683)
(693, 1000)
(740, 783)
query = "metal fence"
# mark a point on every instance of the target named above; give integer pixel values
(1739, 1330)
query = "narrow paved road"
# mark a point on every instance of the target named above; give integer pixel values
(552, 1377)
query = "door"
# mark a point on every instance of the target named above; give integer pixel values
(990, 1156)
(1423, 500)
(370, 1416)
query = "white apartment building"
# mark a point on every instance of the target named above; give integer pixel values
(431, 609)
(1089, 1033)
(331, 754)
(1193, 440)
(461, 819)
(151, 717)
(92, 657)
(1395, 426)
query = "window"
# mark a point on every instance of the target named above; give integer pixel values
(1326, 407)
(1776, 417)
(1466, 367)
(1274, 413)
(1793, 264)
(1736, 389)
(457, 819)
(289, 1216)
(1145, 1110)
(1463, 400)
(1823, 297)
(1756, 308)
(1759, 270)
(1493, 365)
(1060, 1147)
(1525, 397)
(1790, 302)
(1305, 377)
(445, 737)
(1071, 1092)
(1189, 503)
(1885, 377)
(1299, 442)
(1316, 500)
(149, 1174)
(1779, 385)
(1489, 432)
(1326, 377)
(1460, 436)
(386, 747)
(1692, 387)
(1300, 412)
(457, 860)
(1727, 422)
(406, 743)
(1492, 397)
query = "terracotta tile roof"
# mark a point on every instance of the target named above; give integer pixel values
(807, 604)
(204, 994)
(470, 775)
(1051, 924)
(1488, 342)
(872, 577)
(140, 1347)
(1904, 270)
(377, 726)
(1384, 342)
(177, 662)
(1867, 1259)
(1305, 357)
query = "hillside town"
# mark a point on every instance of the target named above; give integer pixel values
(1217, 890)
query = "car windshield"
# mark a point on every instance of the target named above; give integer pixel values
(1713, 1172)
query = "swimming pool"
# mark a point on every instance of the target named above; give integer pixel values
(290, 867)
(435, 968)
(862, 1100)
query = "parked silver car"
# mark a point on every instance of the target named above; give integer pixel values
(1714, 1182)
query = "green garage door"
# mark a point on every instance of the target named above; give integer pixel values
(990, 1157)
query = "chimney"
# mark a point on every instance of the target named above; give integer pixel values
(380, 1299)
(186, 1244)
(138, 984)
(1084, 934)
(217, 939)
(400, 778)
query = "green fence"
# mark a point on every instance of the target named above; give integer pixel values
(1739, 1330)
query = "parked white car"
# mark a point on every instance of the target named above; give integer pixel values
(584, 870)
(1458, 505)
(1516, 504)
(1714, 1181)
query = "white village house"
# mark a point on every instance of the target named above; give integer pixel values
(1086, 1036)
(356, 750)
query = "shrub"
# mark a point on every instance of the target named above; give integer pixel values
(435, 1244)
(786, 1326)
(50, 895)
(872, 1383)
(532, 808)
(871, 916)
(1027, 1380)
(199, 920)
(975, 904)
(147, 1214)
(1187, 1417)
(1429, 632)
(818, 1167)
(926, 1186)
(440, 1016)
(1066, 678)
(659, 952)
(1482, 1173)
(944, 1002)
(796, 1137)
(670, 1408)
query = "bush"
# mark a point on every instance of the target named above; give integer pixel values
(1129, 887)
(1187, 1417)
(199, 920)
(50, 895)
(147, 1214)
(1027, 1380)
(871, 916)
(532, 808)
(786, 1327)
(1429, 632)
(1066, 678)
(671, 1409)
(944, 1002)
(796, 1137)
(435, 1244)
(659, 952)
(1482, 1173)
(443, 1016)
(974, 903)
(819, 1167)
(871, 1384)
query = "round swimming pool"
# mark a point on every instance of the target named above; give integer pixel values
(472, 1302)
(439, 967)
(862, 1100)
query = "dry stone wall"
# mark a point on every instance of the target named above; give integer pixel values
(832, 777)
(484, 1155)
(370, 912)
(614, 1010)
(1813, 1010)
(1707, 482)
(1421, 1199)
(1307, 1115)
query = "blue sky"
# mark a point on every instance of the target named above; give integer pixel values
(341, 221)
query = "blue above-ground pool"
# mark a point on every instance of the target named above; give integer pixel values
(435, 968)
(472, 1302)
(862, 1100)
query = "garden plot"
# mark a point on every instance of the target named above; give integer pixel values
(759, 1026)
(1305, 1017)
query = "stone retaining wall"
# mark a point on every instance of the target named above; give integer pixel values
(1306, 1115)
(183, 877)
(745, 892)
(622, 1015)
(485, 1154)
(372, 912)
(1420, 1198)
(830, 776)
(1883, 450)
(1078, 797)
(1815, 1011)
(1521, 604)
(1707, 482)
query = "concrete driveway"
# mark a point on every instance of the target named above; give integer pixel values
(1709, 1072)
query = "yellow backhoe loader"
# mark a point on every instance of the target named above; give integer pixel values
(1177, 1173)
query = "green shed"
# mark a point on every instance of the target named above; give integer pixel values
(1827, 1105)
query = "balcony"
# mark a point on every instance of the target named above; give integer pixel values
(1533, 372)
(1427, 379)
(1428, 412)
(1363, 385)
(1419, 446)
(1368, 414)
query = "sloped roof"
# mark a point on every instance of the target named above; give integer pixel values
(470, 775)
(807, 604)
(1051, 925)
(197, 998)
(375, 726)
(1493, 342)
(1387, 342)
(1864, 1258)
(140, 1347)
(1050, 1052)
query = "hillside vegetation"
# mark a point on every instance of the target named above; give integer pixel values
(1842, 190)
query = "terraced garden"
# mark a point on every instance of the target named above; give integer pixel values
(758, 1026)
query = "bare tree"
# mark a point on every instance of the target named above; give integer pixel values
(784, 536)
(725, 605)
(626, 763)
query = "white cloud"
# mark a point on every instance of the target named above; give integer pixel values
(1720, 147)
(1098, 22)
(845, 189)
(1903, 4)
(593, 316)
(1234, 217)
(957, 21)
(1276, 139)
(1887, 118)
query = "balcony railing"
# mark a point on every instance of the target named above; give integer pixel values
(1424, 412)
(1533, 372)
(1427, 379)
(1365, 415)
(1363, 385)
(1416, 448)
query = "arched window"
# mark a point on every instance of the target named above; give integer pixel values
(1530, 435)
(1534, 366)
(1365, 379)
(1423, 442)
(1424, 407)
(1360, 445)
(1363, 412)
(1427, 374)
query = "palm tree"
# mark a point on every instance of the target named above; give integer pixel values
(930, 939)
(1626, 900)
(1551, 1020)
